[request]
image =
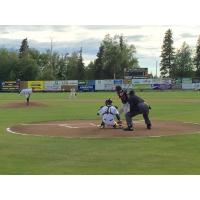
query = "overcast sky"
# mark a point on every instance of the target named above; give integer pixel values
(147, 39)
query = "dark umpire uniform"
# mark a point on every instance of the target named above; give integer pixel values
(137, 106)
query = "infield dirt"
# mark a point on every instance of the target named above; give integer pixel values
(90, 129)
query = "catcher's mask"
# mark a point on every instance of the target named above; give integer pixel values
(108, 102)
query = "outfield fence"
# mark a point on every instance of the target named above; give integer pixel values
(141, 84)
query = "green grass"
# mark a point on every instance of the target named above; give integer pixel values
(44, 155)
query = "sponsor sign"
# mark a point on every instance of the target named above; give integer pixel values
(10, 86)
(36, 85)
(86, 88)
(161, 86)
(118, 82)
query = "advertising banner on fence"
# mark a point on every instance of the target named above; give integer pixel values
(10, 86)
(164, 86)
(142, 81)
(99, 85)
(36, 85)
(52, 86)
(86, 88)
(118, 82)
(187, 86)
(187, 80)
(196, 80)
(86, 85)
(104, 85)
(60, 85)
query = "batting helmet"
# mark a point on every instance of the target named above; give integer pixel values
(108, 102)
(132, 92)
(118, 88)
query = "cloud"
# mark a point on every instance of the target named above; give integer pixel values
(110, 27)
(188, 35)
(134, 38)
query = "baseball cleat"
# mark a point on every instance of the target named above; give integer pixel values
(149, 126)
(101, 126)
(128, 129)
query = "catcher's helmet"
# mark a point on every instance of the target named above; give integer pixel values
(108, 102)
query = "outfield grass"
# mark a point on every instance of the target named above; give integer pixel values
(44, 155)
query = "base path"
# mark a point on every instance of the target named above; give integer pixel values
(90, 129)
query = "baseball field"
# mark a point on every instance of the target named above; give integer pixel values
(116, 152)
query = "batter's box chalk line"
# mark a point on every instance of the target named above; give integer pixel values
(78, 125)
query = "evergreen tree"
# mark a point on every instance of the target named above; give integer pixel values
(167, 55)
(80, 67)
(24, 48)
(72, 62)
(197, 58)
(183, 62)
(62, 68)
(98, 64)
(90, 71)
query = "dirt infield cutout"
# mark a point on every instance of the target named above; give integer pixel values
(90, 129)
(22, 105)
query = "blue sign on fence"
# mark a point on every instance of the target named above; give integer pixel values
(118, 82)
(86, 88)
(164, 86)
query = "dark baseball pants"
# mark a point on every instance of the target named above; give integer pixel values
(143, 109)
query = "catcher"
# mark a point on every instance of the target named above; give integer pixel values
(108, 113)
(136, 105)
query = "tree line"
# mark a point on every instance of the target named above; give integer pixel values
(181, 62)
(114, 55)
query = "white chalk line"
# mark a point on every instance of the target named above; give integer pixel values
(97, 137)
(92, 124)
(64, 125)
(195, 123)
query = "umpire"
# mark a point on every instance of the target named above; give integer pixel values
(137, 106)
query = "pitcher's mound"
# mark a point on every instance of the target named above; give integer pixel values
(90, 129)
(23, 105)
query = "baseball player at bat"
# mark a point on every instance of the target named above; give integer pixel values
(122, 94)
(27, 93)
(108, 113)
(137, 106)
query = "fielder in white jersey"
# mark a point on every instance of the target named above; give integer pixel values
(108, 113)
(27, 93)
(72, 93)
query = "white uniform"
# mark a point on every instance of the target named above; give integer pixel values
(26, 92)
(72, 93)
(108, 114)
